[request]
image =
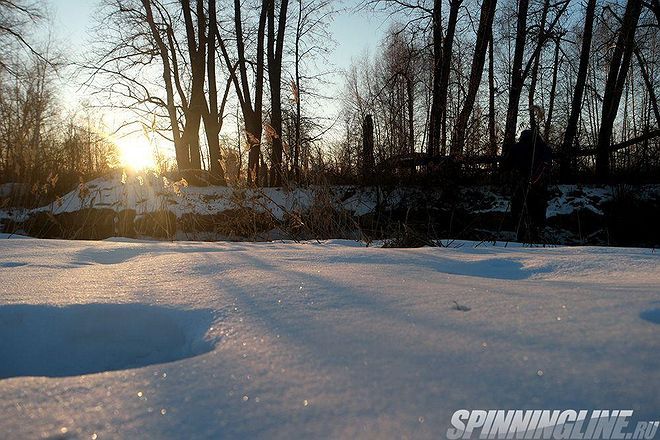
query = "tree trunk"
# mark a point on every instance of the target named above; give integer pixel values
(478, 61)
(535, 68)
(252, 115)
(576, 104)
(435, 118)
(410, 94)
(367, 148)
(297, 146)
(517, 78)
(448, 47)
(491, 97)
(197, 56)
(616, 78)
(553, 90)
(643, 66)
(180, 148)
(213, 118)
(275, 49)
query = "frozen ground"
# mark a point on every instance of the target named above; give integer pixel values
(283, 340)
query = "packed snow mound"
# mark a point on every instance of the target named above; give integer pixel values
(41, 340)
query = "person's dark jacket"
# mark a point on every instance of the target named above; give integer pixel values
(529, 158)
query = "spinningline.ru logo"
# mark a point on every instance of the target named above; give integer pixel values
(549, 424)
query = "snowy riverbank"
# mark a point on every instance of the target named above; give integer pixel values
(150, 206)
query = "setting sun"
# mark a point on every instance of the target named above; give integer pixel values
(136, 153)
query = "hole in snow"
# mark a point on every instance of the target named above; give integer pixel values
(651, 315)
(39, 340)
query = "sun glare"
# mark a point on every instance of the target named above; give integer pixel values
(136, 153)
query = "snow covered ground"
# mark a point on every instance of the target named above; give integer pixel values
(332, 339)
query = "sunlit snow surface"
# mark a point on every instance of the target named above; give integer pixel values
(329, 339)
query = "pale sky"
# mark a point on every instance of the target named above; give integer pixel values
(355, 32)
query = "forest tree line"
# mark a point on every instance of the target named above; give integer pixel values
(458, 80)
(448, 90)
(42, 144)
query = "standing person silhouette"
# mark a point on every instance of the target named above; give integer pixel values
(528, 165)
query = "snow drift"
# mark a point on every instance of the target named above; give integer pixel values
(325, 340)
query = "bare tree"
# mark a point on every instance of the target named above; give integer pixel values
(196, 43)
(169, 75)
(175, 40)
(447, 55)
(517, 78)
(483, 36)
(214, 117)
(311, 42)
(274, 55)
(520, 73)
(616, 77)
(492, 137)
(252, 111)
(578, 92)
(17, 20)
(435, 116)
